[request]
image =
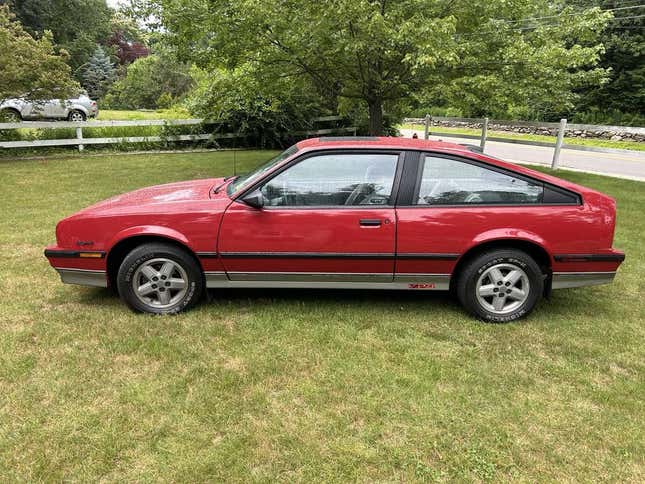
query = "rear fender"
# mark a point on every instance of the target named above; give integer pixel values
(78, 107)
(509, 234)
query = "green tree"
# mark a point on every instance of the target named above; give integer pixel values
(76, 25)
(98, 74)
(379, 52)
(624, 56)
(31, 68)
(265, 113)
(148, 79)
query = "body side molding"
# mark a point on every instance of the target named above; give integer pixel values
(562, 280)
(328, 280)
(589, 257)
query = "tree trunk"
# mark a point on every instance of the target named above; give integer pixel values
(375, 106)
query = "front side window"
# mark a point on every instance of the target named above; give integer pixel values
(344, 179)
(445, 181)
(246, 180)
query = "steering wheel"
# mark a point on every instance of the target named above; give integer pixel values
(440, 187)
(473, 198)
(358, 191)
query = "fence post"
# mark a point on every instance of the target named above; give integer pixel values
(79, 135)
(558, 143)
(482, 141)
(426, 131)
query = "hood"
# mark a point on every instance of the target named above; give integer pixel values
(170, 193)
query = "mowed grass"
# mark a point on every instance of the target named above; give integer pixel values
(304, 386)
(130, 115)
(597, 142)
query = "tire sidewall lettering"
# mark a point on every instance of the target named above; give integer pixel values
(127, 276)
(482, 264)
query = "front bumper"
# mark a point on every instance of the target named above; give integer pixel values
(83, 277)
(84, 267)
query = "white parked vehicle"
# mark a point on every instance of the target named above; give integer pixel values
(78, 109)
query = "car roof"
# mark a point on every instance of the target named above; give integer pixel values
(335, 142)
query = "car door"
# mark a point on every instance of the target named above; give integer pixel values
(327, 217)
(26, 108)
(55, 108)
(450, 202)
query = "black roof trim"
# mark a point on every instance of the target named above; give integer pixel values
(473, 148)
(348, 138)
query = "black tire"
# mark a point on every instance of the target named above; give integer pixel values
(10, 116)
(153, 256)
(74, 112)
(481, 275)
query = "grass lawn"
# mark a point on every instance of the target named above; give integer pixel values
(603, 143)
(305, 385)
(176, 113)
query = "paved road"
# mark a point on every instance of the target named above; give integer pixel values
(623, 165)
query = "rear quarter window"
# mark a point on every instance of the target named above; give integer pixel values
(446, 181)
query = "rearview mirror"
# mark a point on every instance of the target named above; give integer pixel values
(254, 199)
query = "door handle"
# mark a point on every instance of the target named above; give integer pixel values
(369, 222)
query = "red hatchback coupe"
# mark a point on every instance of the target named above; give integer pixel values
(368, 213)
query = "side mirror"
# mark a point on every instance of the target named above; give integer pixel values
(254, 199)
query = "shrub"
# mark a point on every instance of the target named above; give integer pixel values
(611, 117)
(149, 81)
(236, 101)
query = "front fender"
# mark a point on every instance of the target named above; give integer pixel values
(155, 230)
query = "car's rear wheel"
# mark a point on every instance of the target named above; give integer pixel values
(500, 285)
(160, 278)
(76, 116)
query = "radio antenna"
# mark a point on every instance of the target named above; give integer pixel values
(234, 157)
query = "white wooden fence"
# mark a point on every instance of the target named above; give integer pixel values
(80, 141)
(557, 145)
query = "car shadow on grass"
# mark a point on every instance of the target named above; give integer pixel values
(563, 304)
(443, 298)
(216, 297)
(385, 302)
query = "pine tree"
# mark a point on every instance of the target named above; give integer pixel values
(98, 74)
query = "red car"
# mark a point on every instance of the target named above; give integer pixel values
(368, 213)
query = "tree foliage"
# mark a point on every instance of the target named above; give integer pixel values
(624, 56)
(378, 53)
(151, 82)
(127, 40)
(76, 25)
(265, 113)
(98, 74)
(31, 68)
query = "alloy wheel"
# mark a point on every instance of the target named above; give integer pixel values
(502, 288)
(76, 116)
(160, 283)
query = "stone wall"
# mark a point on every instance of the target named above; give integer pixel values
(614, 133)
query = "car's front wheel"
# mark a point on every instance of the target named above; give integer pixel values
(501, 285)
(160, 278)
(10, 116)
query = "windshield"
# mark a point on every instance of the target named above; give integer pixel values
(246, 180)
